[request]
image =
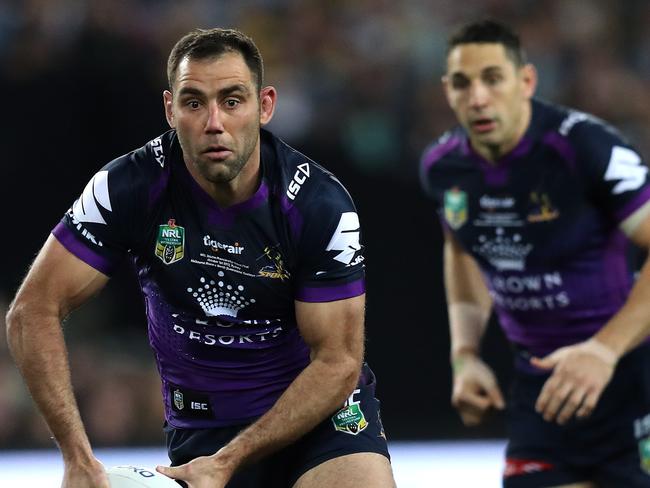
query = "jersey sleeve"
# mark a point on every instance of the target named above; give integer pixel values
(329, 254)
(100, 227)
(614, 172)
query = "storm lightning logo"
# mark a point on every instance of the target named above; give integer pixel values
(86, 208)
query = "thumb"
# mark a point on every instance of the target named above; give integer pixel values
(547, 362)
(496, 397)
(169, 471)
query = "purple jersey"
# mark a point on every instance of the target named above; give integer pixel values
(543, 222)
(219, 284)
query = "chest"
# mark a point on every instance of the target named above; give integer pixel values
(220, 263)
(524, 214)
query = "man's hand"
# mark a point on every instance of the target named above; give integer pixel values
(580, 374)
(202, 472)
(91, 475)
(475, 389)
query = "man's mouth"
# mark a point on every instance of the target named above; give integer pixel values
(483, 125)
(217, 152)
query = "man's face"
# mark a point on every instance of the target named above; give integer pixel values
(215, 109)
(489, 94)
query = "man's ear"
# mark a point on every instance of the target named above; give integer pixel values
(268, 98)
(529, 78)
(167, 102)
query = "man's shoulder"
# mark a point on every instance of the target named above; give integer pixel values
(297, 178)
(573, 123)
(447, 149)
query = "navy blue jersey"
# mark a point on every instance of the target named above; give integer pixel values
(219, 284)
(543, 222)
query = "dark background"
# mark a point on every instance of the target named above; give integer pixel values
(359, 92)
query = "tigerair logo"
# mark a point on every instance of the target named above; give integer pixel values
(215, 245)
(219, 298)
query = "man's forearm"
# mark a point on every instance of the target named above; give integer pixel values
(631, 325)
(317, 392)
(41, 356)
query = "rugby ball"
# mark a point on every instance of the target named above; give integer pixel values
(138, 477)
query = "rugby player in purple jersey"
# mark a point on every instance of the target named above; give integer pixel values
(538, 203)
(251, 267)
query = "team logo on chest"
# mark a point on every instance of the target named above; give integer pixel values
(170, 243)
(455, 208)
(275, 268)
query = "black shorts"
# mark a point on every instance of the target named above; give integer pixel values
(352, 429)
(610, 448)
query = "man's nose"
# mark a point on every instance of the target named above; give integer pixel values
(479, 95)
(214, 124)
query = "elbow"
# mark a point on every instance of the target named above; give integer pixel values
(14, 322)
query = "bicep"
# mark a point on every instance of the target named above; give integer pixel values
(464, 281)
(333, 329)
(58, 281)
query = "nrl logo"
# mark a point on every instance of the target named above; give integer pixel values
(178, 400)
(350, 419)
(170, 244)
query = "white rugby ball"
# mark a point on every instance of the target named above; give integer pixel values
(138, 477)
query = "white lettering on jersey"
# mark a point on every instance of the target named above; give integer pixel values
(625, 165)
(572, 119)
(301, 175)
(156, 146)
(346, 238)
(86, 208)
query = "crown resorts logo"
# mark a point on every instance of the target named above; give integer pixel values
(503, 252)
(217, 298)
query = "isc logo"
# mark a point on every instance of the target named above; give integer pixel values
(301, 175)
(198, 406)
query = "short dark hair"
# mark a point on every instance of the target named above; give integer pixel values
(490, 32)
(208, 43)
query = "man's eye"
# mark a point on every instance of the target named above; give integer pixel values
(459, 83)
(193, 104)
(493, 80)
(232, 102)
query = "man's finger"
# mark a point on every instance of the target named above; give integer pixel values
(572, 404)
(588, 405)
(496, 398)
(471, 399)
(547, 362)
(173, 473)
(555, 399)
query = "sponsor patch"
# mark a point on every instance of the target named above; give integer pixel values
(455, 208)
(350, 419)
(190, 403)
(170, 244)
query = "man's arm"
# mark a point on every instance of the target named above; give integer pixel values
(475, 389)
(335, 333)
(57, 283)
(582, 371)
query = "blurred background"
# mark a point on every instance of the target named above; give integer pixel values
(359, 92)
